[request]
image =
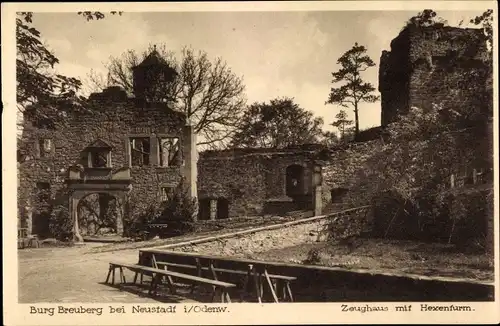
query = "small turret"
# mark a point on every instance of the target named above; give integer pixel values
(151, 78)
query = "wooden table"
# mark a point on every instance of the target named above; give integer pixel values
(256, 270)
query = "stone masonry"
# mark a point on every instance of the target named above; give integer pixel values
(429, 65)
(258, 181)
(123, 147)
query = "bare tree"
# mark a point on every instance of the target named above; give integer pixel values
(208, 92)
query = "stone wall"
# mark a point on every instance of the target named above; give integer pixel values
(341, 170)
(434, 65)
(262, 241)
(252, 179)
(337, 226)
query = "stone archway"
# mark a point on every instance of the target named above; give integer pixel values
(80, 192)
(97, 214)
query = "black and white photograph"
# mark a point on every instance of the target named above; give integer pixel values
(192, 160)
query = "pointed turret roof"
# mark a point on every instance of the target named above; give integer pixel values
(154, 58)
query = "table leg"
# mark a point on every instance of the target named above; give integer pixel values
(245, 282)
(289, 290)
(198, 272)
(271, 287)
(212, 270)
(257, 281)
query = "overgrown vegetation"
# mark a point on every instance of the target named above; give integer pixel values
(174, 217)
(408, 178)
(61, 224)
(414, 178)
(178, 213)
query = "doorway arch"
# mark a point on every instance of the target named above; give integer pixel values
(97, 212)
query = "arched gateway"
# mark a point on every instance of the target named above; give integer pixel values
(97, 202)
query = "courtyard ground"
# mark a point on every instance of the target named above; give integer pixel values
(75, 274)
(397, 256)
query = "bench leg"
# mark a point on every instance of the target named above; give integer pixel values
(151, 286)
(170, 285)
(214, 292)
(142, 278)
(135, 277)
(154, 284)
(109, 274)
(113, 276)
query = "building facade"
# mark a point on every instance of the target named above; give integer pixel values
(259, 181)
(95, 162)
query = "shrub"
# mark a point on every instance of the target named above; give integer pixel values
(140, 215)
(60, 223)
(178, 213)
(313, 257)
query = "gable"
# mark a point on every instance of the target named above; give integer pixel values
(99, 143)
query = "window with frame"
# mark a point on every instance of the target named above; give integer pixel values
(140, 150)
(45, 146)
(168, 151)
(100, 158)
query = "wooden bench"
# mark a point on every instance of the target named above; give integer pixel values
(158, 274)
(25, 240)
(281, 283)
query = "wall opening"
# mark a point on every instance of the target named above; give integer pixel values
(40, 226)
(168, 152)
(166, 193)
(99, 158)
(222, 208)
(204, 209)
(140, 149)
(294, 180)
(97, 214)
(45, 147)
(338, 194)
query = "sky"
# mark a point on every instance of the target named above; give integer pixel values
(278, 54)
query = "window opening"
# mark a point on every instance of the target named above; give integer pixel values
(168, 152)
(140, 150)
(167, 193)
